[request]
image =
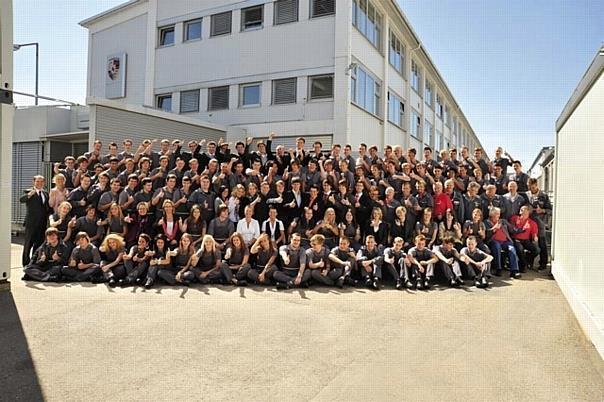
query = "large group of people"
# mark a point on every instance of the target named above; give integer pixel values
(299, 217)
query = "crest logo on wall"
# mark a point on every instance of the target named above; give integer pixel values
(115, 78)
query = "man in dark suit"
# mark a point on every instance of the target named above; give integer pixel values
(36, 200)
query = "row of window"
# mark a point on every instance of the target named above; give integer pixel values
(252, 18)
(368, 21)
(284, 91)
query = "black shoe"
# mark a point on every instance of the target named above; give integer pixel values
(125, 282)
(138, 281)
(409, 285)
(368, 283)
(427, 284)
(419, 285)
(399, 285)
(25, 278)
(148, 283)
(542, 268)
(515, 275)
(477, 283)
(241, 283)
(375, 285)
(185, 283)
(340, 282)
(484, 282)
(453, 283)
(112, 283)
(281, 285)
(498, 272)
(459, 281)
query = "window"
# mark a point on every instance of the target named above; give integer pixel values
(321, 87)
(428, 132)
(189, 101)
(192, 30)
(428, 94)
(166, 36)
(164, 102)
(397, 54)
(366, 90)
(249, 94)
(251, 18)
(438, 142)
(284, 91)
(439, 106)
(285, 11)
(396, 110)
(218, 98)
(416, 123)
(221, 24)
(447, 116)
(416, 76)
(320, 8)
(367, 20)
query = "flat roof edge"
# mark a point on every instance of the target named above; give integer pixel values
(594, 71)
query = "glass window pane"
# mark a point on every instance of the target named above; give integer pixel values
(193, 30)
(251, 95)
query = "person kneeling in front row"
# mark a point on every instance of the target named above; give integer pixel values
(293, 265)
(477, 261)
(421, 265)
(48, 259)
(84, 262)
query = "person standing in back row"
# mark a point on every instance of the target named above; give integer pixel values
(38, 209)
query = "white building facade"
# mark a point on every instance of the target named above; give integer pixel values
(345, 71)
(577, 231)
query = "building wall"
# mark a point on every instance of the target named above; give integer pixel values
(128, 36)
(300, 49)
(579, 216)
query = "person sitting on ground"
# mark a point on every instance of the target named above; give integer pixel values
(421, 265)
(112, 261)
(369, 261)
(293, 272)
(449, 259)
(317, 259)
(263, 266)
(84, 263)
(236, 260)
(478, 262)
(394, 261)
(48, 259)
(137, 261)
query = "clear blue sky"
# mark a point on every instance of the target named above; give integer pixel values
(511, 64)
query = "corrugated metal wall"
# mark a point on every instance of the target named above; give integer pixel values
(116, 125)
(27, 162)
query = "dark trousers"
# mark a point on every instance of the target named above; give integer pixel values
(135, 270)
(395, 270)
(472, 272)
(374, 270)
(329, 279)
(543, 254)
(193, 274)
(255, 272)
(240, 274)
(34, 237)
(43, 273)
(167, 273)
(118, 272)
(287, 275)
(412, 272)
(527, 252)
(452, 271)
(80, 275)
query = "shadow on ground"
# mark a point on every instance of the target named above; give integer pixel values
(18, 378)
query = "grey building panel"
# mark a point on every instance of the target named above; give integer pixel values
(115, 125)
(27, 162)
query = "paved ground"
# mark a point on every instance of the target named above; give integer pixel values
(512, 342)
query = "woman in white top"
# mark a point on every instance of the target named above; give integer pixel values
(249, 227)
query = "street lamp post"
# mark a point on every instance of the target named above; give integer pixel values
(36, 44)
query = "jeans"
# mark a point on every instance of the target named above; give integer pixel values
(507, 246)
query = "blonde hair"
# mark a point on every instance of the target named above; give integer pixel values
(203, 243)
(113, 236)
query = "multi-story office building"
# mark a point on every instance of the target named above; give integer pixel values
(343, 71)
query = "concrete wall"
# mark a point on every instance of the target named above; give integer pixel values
(579, 216)
(129, 36)
(33, 122)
